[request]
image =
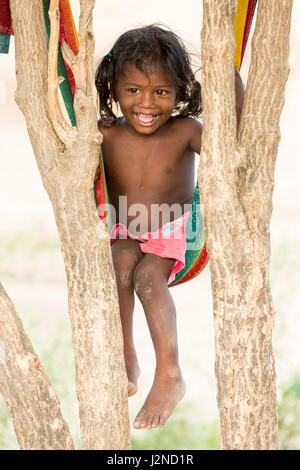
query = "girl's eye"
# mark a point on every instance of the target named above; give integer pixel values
(161, 92)
(135, 91)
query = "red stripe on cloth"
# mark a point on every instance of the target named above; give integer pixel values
(100, 197)
(68, 33)
(249, 17)
(67, 27)
(197, 267)
(70, 78)
(5, 18)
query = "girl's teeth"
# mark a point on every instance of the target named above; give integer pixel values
(146, 118)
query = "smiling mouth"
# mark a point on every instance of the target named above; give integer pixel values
(146, 119)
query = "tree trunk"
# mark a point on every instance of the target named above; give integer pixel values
(236, 184)
(67, 159)
(28, 394)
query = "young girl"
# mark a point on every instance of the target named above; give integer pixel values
(149, 157)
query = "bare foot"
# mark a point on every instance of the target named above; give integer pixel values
(133, 372)
(166, 392)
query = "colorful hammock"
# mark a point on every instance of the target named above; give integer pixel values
(196, 257)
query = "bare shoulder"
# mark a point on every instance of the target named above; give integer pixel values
(105, 128)
(191, 128)
(111, 134)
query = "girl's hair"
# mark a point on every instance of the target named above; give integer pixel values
(142, 47)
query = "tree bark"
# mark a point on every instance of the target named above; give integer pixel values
(236, 184)
(28, 394)
(67, 160)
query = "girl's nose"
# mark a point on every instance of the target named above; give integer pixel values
(147, 100)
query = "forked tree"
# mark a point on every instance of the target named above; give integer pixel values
(67, 159)
(236, 179)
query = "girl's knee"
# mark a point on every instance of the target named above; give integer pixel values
(125, 257)
(144, 278)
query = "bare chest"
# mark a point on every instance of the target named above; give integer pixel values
(154, 163)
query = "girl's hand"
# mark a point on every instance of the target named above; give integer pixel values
(239, 94)
(97, 174)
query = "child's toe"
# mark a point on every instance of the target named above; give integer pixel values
(149, 422)
(137, 422)
(162, 420)
(155, 421)
(143, 423)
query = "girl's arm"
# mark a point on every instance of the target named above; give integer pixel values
(196, 126)
(239, 95)
(195, 129)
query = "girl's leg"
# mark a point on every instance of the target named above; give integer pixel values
(126, 254)
(150, 278)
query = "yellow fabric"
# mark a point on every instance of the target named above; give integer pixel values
(239, 27)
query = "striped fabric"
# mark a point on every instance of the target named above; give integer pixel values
(242, 24)
(5, 26)
(5, 18)
(67, 32)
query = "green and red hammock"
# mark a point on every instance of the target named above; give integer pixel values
(196, 257)
(67, 32)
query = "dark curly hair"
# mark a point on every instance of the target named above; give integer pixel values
(142, 47)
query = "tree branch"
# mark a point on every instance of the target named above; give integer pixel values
(68, 54)
(259, 132)
(27, 391)
(237, 194)
(65, 132)
(68, 175)
(31, 56)
(86, 47)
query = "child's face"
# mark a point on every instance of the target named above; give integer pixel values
(146, 102)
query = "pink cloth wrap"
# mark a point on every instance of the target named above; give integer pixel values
(169, 241)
